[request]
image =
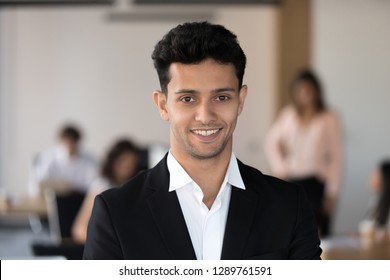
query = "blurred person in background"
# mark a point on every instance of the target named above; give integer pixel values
(377, 224)
(64, 167)
(122, 162)
(304, 146)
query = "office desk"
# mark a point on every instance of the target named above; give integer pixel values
(355, 248)
(23, 205)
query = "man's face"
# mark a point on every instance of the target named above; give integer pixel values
(70, 145)
(202, 105)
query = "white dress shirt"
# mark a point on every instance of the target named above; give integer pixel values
(55, 164)
(206, 226)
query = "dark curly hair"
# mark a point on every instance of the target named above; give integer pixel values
(119, 148)
(193, 42)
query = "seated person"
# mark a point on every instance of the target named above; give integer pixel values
(64, 167)
(377, 225)
(120, 164)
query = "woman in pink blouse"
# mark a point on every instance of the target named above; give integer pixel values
(304, 146)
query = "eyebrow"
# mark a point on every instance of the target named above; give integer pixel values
(226, 89)
(217, 90)
(187, 91)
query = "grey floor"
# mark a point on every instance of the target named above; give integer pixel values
(16, 236)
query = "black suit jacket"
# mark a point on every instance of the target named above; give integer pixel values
(270, 219)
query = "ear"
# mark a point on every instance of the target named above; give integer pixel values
(243, 93)
(160, 99)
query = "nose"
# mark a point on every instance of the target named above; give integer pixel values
(205, 113)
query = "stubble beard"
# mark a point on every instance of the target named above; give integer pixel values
(195, 153)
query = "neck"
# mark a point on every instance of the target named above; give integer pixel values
(207, 173)
(307, 114)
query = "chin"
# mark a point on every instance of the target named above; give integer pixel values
(196, 153)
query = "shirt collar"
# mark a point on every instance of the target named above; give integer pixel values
(180, 178)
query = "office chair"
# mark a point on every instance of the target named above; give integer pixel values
(62, 211)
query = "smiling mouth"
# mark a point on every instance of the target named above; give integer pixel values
(205, 132)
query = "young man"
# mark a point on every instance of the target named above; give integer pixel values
(64, 167)
(200, 202)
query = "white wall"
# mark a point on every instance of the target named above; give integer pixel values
(72, 64)
(4, 86)
(351, 51)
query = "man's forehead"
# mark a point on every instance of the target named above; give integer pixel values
(205, 68)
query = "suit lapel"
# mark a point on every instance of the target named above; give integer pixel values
(166, 211)
(241, 214)
(167, 214)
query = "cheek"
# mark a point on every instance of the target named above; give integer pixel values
(233, 120)
(179, 124)
(230, 113)
(180, 117)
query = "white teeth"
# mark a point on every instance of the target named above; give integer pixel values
(206, 132)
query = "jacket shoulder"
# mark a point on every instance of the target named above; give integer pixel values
(140, 186)
(253, 175)
(272, 188)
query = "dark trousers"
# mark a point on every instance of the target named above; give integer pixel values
(315, 190)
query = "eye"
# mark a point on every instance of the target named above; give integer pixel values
(187, 99)
(222, 98)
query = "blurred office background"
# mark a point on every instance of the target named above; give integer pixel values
(90, 64)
